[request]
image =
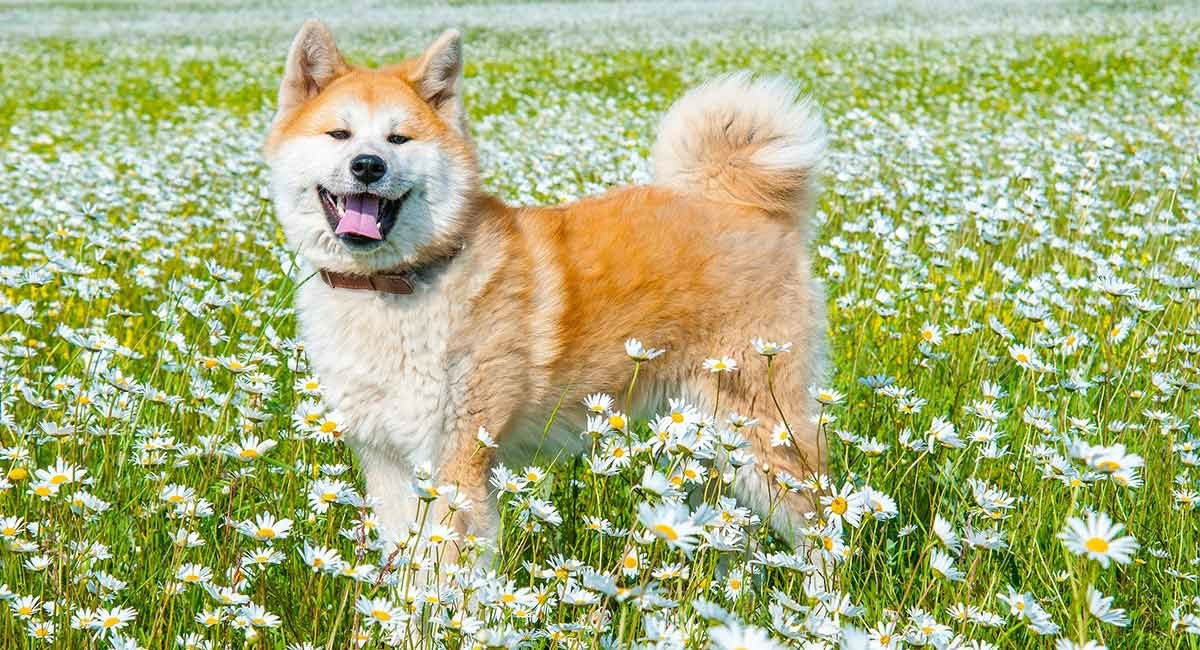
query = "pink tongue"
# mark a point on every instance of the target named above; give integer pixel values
(362, 211)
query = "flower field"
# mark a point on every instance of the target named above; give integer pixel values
(1009, 236)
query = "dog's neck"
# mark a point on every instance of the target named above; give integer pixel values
(394, 281)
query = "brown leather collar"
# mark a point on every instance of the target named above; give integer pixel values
(382, 282)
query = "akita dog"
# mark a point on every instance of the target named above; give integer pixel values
(434, 309)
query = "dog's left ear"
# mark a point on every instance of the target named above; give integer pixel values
(437, 76)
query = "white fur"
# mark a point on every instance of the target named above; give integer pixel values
(436, 182)
(390, 376)
(772, 107)
(742, 139)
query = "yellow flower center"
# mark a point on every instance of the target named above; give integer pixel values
(266, 533)
(666, 531)
(677, 418)
(249, 453)
(17, 474)
(209, 364)
(25, 610)
(175, 498)
(839, 506)
(8, 531)
(381, 615)
(508, 598)
(41, 491)
(630, 562)
(1109, 466)
(616, 422)
(1022, 357)
(1096, 545)
(111, 621)
(328, 426)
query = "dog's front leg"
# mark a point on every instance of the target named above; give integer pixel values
(390, 482)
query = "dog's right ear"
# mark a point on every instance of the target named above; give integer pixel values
(312, 64)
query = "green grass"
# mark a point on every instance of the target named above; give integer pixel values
(994, 162)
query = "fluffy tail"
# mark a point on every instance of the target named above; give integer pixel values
(742, 140)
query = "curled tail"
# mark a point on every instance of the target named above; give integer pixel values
(742, 140)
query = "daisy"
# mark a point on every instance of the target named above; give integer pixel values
(769, 348)
(111, 620)
(780, 435)
(943, 565)
(25, 607)
(1097, 539)
(598, 403)
(193, 573)
(258, 616)
(265, 528)
(631, 563)
(638, 352)
(844, 505)
(1101, 607)
(173, 493)
(61, 473)
(321, 558)
(504, 480)
(826, 396)
(931, 334)
(485, 439)
(210, 617)
(41, 630)
(723, 364)
(671, 523)
(250, 448)
(308, 386)
(10, 527)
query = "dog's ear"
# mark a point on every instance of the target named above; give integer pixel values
(437, 75)
(312, 64)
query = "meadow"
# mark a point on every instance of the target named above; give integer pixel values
(1010, 241)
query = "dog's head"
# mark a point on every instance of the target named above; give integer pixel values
(371, 169)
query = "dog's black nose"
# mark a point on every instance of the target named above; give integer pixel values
(367, 168)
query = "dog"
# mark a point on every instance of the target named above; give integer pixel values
(432, 309)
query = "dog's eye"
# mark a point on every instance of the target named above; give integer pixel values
(398, 139)
(338, 134)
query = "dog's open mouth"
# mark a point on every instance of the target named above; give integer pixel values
(360, 219)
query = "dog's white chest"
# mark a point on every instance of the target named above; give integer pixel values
(384, 362)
